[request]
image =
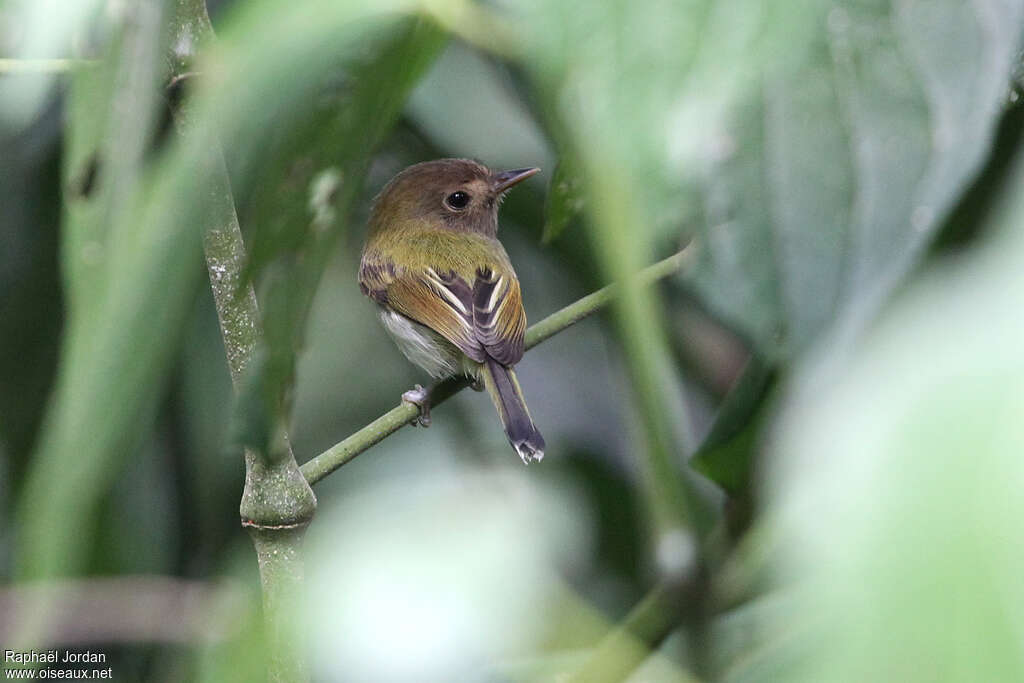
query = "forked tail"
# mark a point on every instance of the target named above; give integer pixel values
(503, 388)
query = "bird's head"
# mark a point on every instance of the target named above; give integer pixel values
(454, 194)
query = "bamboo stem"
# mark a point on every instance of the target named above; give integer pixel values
(277, 503)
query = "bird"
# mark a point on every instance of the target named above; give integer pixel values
(445, 288)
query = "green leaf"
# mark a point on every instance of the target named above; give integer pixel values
(132, 245)
(123, 251)
(830, 182)
(612, 75)
(301, 195)
(726, 453)
(895, 490)
(826, 142)
(746, 644)
(564, 200)
(298, 196)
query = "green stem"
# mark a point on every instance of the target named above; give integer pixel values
(277, 502)
(341, 453)
(627, 646)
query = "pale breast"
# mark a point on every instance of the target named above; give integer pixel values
(422, 345)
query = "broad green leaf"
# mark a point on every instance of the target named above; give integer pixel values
(840, 171)
(826, 142)
(834, 176)
(896, 483)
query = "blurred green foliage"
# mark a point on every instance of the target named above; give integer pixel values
(848, 392)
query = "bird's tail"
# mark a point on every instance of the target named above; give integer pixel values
(503, 388)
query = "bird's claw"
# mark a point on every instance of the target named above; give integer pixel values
(477, 385)
(420, 398)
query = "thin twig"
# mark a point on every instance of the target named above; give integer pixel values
(390, 422)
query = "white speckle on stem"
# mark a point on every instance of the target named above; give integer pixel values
(184, 45)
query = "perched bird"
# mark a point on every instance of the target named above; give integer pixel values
(447, 292)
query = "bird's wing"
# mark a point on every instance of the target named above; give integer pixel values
(499, 321)
(482, 318)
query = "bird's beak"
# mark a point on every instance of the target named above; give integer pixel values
(502, 180)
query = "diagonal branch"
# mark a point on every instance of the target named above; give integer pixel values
(626, 647)
(390, 422)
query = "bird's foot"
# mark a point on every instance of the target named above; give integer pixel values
(420, 398)
(477, 384)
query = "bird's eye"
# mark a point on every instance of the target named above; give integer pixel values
(457, 200)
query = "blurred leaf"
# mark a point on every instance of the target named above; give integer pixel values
(744, 647)
(726, 453)
(132, 243)
(614, 75)
(897, 479)
(243, 656)
(972, 213)
(434, 566)
(315, 171)
(31, 305)
(793, 243)
(255, 406)
(902, 107)
(314, 168)
(119, 264)
(46, 31)
(831, 181)
(200, 409)
(745, 99)
(630, 644)
(564, 200)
